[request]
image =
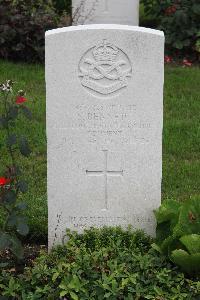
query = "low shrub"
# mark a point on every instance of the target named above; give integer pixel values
(62, 5)
(179, 19)
(22, 28)
(109, 263)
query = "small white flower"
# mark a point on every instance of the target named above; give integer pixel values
(21, 92)
(7, 86)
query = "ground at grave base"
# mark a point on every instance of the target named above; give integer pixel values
(110, 263)
(31, 252)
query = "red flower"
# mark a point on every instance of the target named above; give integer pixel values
(4, 181)
(170, 10)
(187, 63)
(168, 59)
(20, 99)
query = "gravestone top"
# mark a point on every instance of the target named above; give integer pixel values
(104, 26)
(104, 127)
(125, 12)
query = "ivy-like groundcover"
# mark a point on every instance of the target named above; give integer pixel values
(108, 263)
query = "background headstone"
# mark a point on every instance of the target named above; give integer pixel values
(125, 12)
(104, 127)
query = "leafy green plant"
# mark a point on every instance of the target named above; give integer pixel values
(178, 233)
(62, 5)
(12, 183)
(107, 263)
(23, 25)
(179, 19)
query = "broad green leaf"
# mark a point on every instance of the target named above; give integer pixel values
(191, 242)
(74, 296)
(24, 147)
(27, 113)
(23, 186)
(167, 211)
(22, 228)
(163, 231)
(11, 140)
(21, 206)
(4, 240)
(3, 122)
(189, 263)
(16, 247)
(9, 197)
(166, 244)
(189, 218)
(13, 113)
(63, 293)
(12, 219)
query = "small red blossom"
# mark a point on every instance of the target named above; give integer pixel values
(187, 63)
(170, 10)
(168, 59)
(4, 181)
(20, 99)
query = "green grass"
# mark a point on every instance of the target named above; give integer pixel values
(181, 138)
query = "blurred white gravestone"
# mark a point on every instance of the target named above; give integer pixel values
(125, 12)
(104, 127)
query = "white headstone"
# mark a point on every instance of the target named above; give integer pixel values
(125, 12)
(104, 127)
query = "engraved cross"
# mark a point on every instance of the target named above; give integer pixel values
(105, 173)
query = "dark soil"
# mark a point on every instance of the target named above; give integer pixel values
(9, 263)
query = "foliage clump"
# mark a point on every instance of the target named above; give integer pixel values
(178, 233)
(108, 263)
(179, 19)
(23, 25)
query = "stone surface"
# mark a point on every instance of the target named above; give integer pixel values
(125, 12)
(104, 127)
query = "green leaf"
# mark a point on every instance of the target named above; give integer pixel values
(11, 140)
(26, 111)
(73, 295)
(156, 247)
(9, 197)
(16, 247)
(12, 113)
(22, 228)
(163, 231)
(168, 211)
(3, 122)
(24, 147)
(3, 265)
(21, 206)
(188, 263)
(23, 186)
(178, 44)
(191, 242)
(4, 240)
(63, 293)
(189, 219)
(196, 9)
(12, 220)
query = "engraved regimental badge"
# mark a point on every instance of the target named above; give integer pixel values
(104, 70)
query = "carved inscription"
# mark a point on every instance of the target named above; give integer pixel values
(82, 222)
(110, 123)
(104, 69)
